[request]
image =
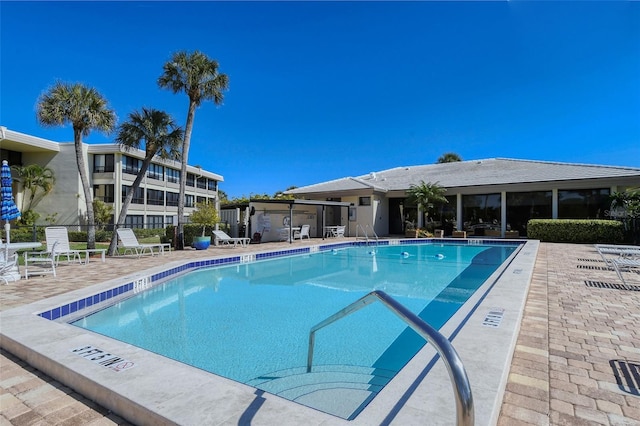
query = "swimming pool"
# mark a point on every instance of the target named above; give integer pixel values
(156, 389)
(251, 322)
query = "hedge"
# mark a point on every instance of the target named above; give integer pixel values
(583, 231)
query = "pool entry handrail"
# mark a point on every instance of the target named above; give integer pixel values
(457, 373)
(366, 234)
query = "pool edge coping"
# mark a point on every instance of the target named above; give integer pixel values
(306, 412)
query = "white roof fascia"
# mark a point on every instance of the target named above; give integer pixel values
(10, 137)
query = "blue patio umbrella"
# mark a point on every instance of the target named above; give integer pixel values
(9, 209)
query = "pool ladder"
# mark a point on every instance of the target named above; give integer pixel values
(457, 373)
(366, 234)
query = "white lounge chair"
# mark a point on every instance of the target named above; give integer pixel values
(129, 241)
(303, 232)
(622, 264)
(225, 239)
(610, 252)
(58, 236)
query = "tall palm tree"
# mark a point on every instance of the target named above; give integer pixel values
(197, 76)
(35, 179)
(86, 110)
(426, 194)
(161, 138)
(449, 157)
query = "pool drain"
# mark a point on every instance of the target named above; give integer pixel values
(613, 286)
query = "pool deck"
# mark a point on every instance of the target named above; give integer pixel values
(573, 341)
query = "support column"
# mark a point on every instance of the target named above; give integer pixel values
(503, 213)
(459, 212)
(554, 203)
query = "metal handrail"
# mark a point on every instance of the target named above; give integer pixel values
(374, 233)
(366, 234)
(457, 373)
(366, 237)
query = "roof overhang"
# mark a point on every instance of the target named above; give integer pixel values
(303, 202)
(20, 142)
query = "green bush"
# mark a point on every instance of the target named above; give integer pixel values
(81, 236)
(584, 231)
(23, 234)
(190, 231)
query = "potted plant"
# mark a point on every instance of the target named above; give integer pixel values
(206, 215)
(410, 229)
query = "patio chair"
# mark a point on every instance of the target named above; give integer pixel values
(339, 231)
(129, 241)
(622, 264)
(225, 239)
(58, 236)
(609, 252)
(8, 267)
(40, 262)
(303, 232)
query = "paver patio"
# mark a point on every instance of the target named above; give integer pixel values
(574, 346)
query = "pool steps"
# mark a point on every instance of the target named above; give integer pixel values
(352, 386)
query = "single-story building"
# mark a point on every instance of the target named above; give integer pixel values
(495, 196)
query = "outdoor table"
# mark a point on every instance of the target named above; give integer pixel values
(10, 249)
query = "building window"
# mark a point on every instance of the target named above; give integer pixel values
(103, 163)
(155, 171)
(173, 175)
(212, 184)
(201, 182)
(155, 197)
(134, 221)
(13, 157)
(583, 203)
(155, 222)
(364, 201)
(189, 200)
(138, 196)
(190, 179)
(131, 165)
(172, 199)
(522, 206)
(104, 193)
(201, 200)
(481, 212)
(446, 213)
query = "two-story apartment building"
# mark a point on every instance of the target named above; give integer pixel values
(111, 171)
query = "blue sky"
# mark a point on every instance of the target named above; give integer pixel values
(323, 90)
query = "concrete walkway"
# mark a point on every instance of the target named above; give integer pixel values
(574, 341)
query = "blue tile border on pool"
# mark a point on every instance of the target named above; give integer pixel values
(83, 303)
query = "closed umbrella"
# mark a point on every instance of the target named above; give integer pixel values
(9, 209)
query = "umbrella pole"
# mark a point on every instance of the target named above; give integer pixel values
(6, 231)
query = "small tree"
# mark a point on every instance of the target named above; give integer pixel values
(37, 182)
(103, 213)
(205, 214)
(426, 194)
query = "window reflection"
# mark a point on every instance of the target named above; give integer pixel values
(583, 203)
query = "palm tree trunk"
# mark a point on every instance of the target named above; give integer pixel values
(183, 173)
(125, 206)
(84, 179)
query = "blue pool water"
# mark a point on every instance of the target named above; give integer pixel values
(250, 322)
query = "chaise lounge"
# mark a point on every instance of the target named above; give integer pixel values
(225, 239)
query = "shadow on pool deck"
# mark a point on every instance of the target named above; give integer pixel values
(561, 371)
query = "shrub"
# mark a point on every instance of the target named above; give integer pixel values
(190, 231)
(585, 231)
